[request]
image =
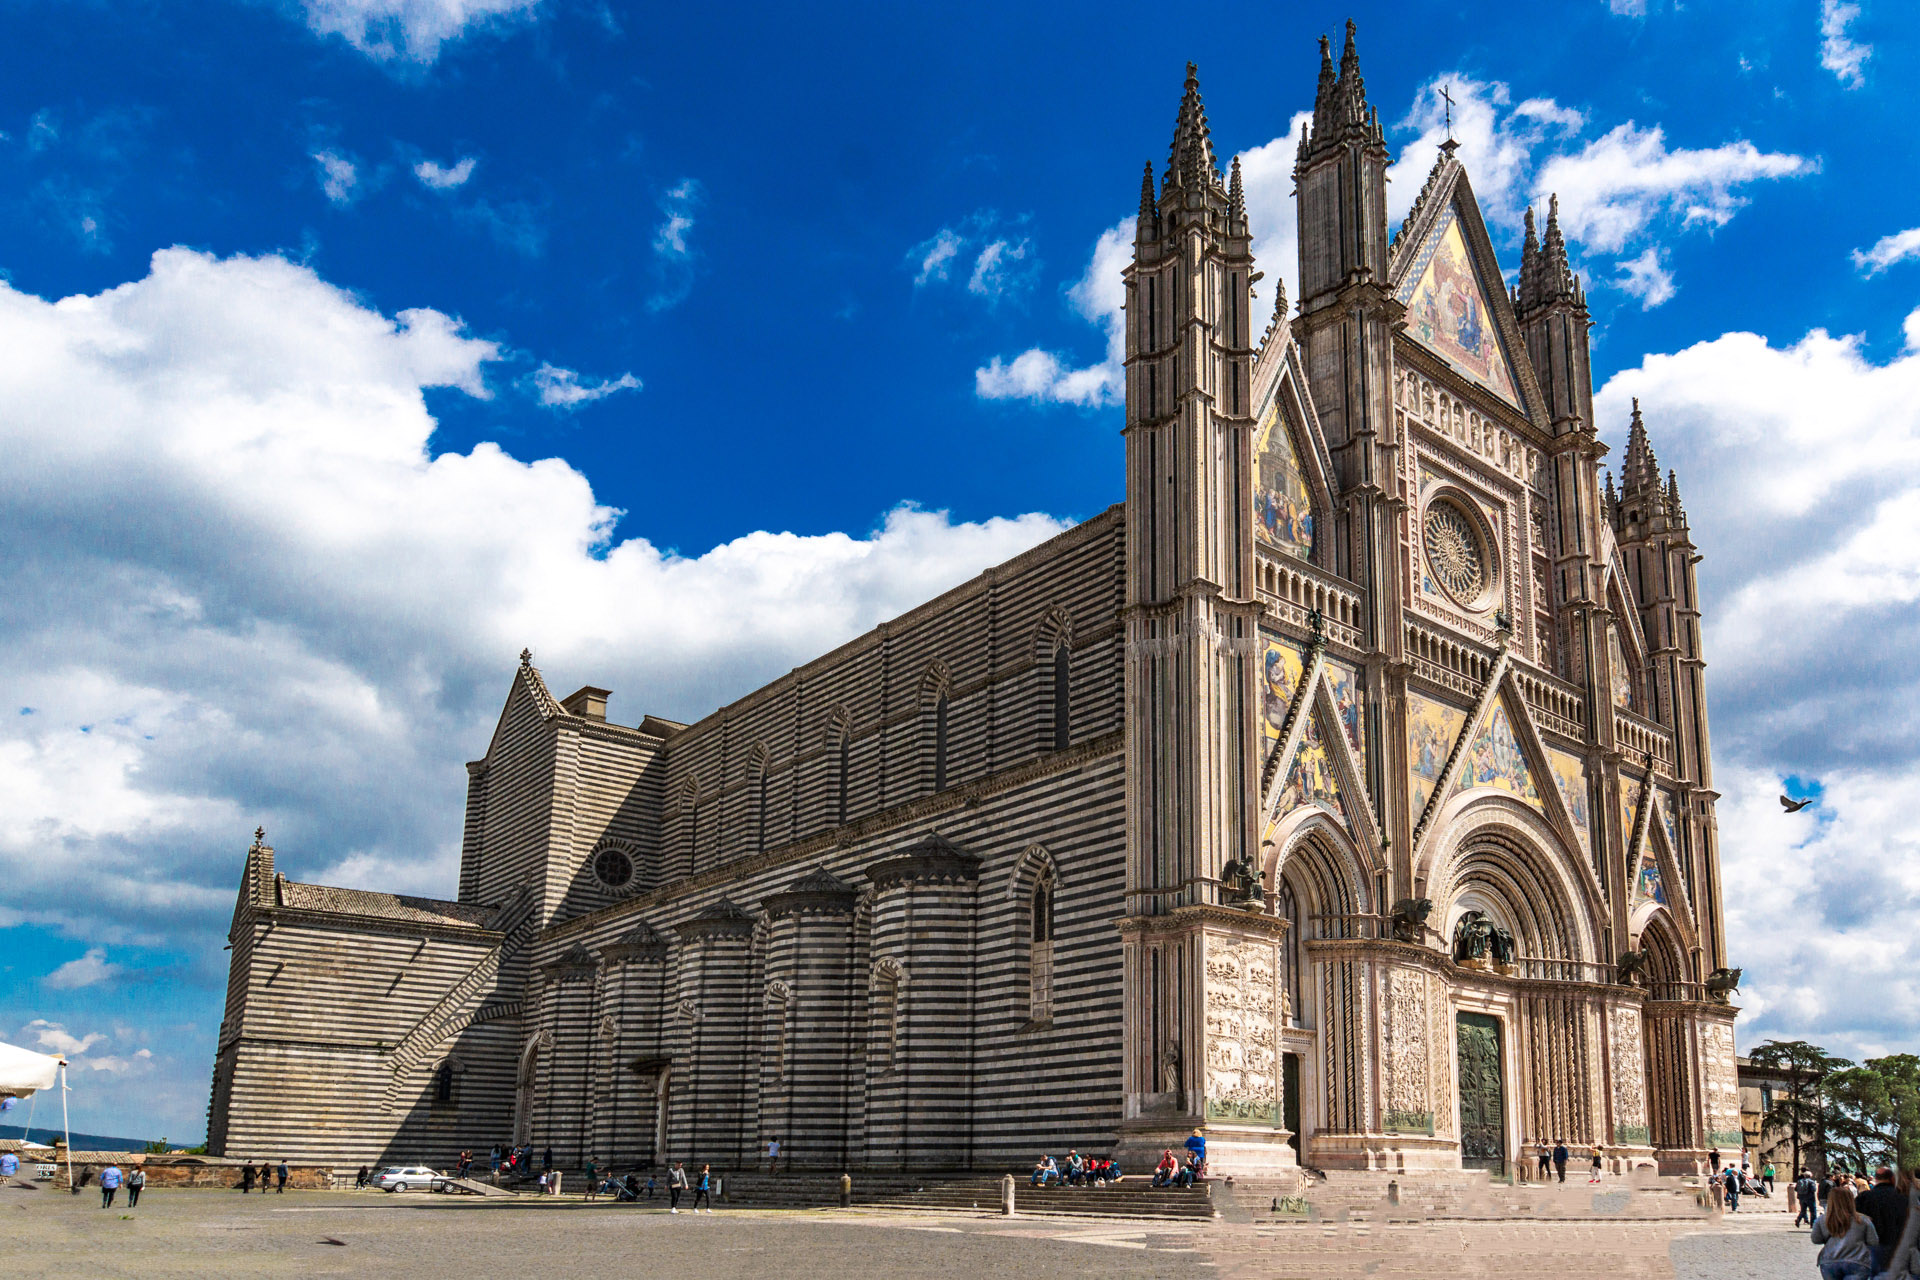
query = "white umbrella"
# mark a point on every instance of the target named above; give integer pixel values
(24, 1073)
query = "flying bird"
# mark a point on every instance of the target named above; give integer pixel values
(1794, 806)
(331, 1240)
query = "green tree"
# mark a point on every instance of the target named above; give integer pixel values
(1879, 1106)
(159, 1148)
(1804, 1109)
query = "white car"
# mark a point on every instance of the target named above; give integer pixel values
(401, 1177)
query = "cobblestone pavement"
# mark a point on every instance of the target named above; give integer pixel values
(219, 1234)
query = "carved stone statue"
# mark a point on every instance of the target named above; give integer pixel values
(1240, 884)
(1722, 983)
(1632, 968)
(1170, 1069)
(1500, 942)
(1409, 919)
(1472, 938)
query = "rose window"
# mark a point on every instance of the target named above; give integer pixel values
(612, 868)
(1455, 552)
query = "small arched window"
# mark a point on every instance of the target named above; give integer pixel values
(1062, 698)
(940, 743)
(1040, 951)
(845, 765)
(443, 1083)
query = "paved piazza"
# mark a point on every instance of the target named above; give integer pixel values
(214, 1233)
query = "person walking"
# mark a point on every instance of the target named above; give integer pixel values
(676, 1183)
(1560, 1157)
(1546, 1162)
(1846, 1237)
(1766, 1177)
(701, 1188)
(1731, 1176)
(593, 1173)
(280, 1177)
(1595, 1175)
(109, 1183)
(493, 1160)
(246, 1178)
(136, 1183)
(1885, 1205)
(1806, 1192)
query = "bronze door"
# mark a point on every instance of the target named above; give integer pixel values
(1483, 1142)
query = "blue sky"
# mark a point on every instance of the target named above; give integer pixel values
(682, 344)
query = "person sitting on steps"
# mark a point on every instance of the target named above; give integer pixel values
(1167, 1170)
(1044, 1171)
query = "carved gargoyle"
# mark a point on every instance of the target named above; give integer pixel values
(1240, 884)
(1722, 983)
(1472, 938)
(1409, 919)
(1632, 967)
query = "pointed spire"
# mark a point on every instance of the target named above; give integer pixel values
(1353, 90)
(1147, 208)
(1674, 509)
(1236, 195)
(1640, 470)
(1191, 160)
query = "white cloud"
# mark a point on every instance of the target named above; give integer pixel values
(936, 256)
(1887, 250)
(998, 270)
(1628, 8)
(118, 1064)
(440, 178)
(1004, 265)
(1098, 297)
(83, 971)
(55, 1038)
(1839, 52)
(410, 31)
(673, 257)
(339, 176)
(562, 388)
(244, 589)
(1646, 278)
(1800, 470)
(1615, 187)
(1498, 142)
(1266, 172)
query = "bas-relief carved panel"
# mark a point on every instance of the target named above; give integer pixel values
(1629, 1066)
(1722, 1083)
(1409, 1053)
(1282, 501)
(1244, 1011)
(1440, 1045)
(1432, 726)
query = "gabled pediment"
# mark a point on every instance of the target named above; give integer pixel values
(1444, 270)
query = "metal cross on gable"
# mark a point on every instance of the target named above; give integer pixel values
(1446, 96)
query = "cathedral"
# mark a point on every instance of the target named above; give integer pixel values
(1344, 792)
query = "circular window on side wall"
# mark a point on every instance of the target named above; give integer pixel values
(1459, 553)
(613, 868)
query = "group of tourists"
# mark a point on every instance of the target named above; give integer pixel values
(1078, 1171)
(1866, 1231)
(111, 1180)
(517, 1161)
(630, 1188)
(267, 1176)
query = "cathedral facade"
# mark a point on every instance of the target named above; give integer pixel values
(1344, 792)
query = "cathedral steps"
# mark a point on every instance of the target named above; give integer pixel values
(1472, 1194)
(962, 1194)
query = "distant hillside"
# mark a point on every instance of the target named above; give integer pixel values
(81, 1141)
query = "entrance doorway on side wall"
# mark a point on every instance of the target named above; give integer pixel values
(1483, 1141)
(1290, 1100)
